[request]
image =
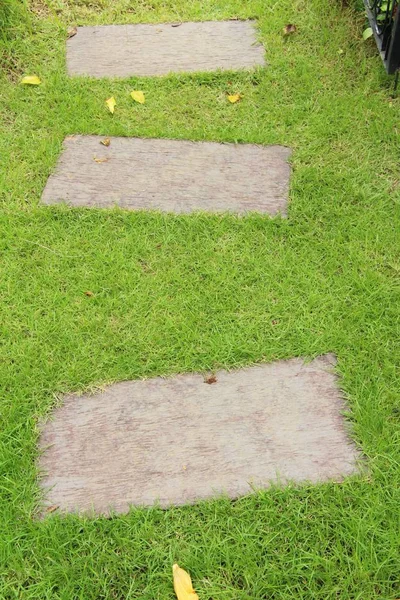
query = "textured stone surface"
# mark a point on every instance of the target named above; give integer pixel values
(170, 175)
(127, 50)
(180, 439)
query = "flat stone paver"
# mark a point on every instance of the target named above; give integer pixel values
(170, 175)
(179, 440)
(147, 50)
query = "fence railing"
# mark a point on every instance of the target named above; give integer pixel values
(384, 18)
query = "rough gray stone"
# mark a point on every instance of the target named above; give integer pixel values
(170, 175)
(179, 440)
(146, 50)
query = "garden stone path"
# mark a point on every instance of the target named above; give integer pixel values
(185, 438)
(170, 175)
(147, 50)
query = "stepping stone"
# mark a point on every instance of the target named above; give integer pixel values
(146, 50)
(170, 175)
(181, 439)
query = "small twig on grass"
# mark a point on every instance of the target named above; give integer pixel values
(47, 248)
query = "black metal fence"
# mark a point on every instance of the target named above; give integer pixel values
(384, 18)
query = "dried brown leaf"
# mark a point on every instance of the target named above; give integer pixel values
(71, 32)
(89, 293)
(39, 8)
(210, 379)
(145, 266)
(289, 29)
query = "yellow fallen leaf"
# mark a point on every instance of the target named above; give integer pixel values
(106, 142)
(111, 104)
(100, 160)
(30, 80)
(233, 98)
(183, 584)
(138, 97)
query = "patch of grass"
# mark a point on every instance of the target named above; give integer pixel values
(220, 291)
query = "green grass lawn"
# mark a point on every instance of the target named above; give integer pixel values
(173, 294)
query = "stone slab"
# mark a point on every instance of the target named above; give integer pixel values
(180, 440)
(170, 175)
(147, 50)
